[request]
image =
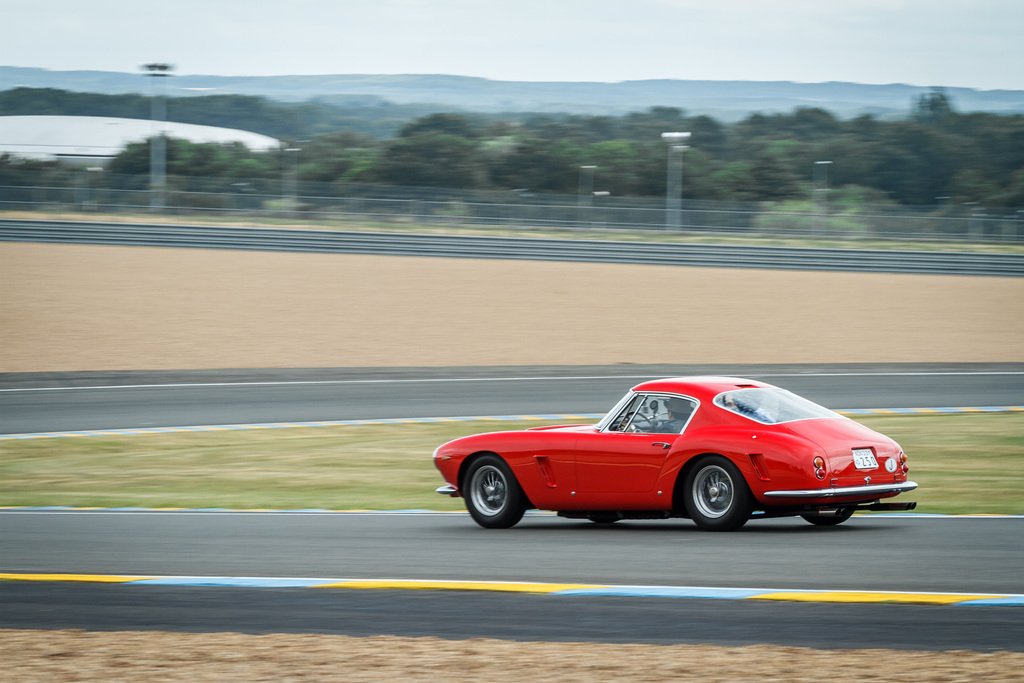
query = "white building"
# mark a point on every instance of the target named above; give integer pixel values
(95, 140)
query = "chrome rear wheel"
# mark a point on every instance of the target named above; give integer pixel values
(717, 497)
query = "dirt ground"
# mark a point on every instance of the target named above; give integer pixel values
(75, 307)
(64, 656)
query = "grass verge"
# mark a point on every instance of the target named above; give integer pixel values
(970, 463)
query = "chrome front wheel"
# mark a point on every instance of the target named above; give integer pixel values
(493, 496)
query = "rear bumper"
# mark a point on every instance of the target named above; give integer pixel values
(448, 490)
(845, 491)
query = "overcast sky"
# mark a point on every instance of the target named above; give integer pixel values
(971, 43)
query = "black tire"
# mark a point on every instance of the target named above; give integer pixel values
(493, 496)
(829, 521)
(716, 495)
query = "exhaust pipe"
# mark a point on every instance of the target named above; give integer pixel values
(890, 507)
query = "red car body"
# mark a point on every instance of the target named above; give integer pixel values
(714, 449)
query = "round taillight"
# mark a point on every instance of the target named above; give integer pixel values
(819, 463)
(905, 469)
(903, 457)
(819, 473)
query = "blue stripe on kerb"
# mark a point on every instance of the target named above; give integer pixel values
(1013, 601)
(233, 582)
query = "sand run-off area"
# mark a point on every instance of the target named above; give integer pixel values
(66, 656)
(74, 307)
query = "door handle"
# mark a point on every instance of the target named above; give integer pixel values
(661, 443)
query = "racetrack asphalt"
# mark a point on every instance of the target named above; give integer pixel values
(51, 402)
(460, 615)
(894, 553)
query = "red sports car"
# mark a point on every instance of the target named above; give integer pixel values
(714, 449)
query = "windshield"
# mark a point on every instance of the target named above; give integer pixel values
(771, 406)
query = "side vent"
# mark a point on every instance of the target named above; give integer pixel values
(760, 466)
(545, 471)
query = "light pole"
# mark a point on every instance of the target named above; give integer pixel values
(586, 192)
(674, 179)
(821, 192)
(594, 223)
(158, 143)
(290, 180)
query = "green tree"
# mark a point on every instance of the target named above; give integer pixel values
(431, 159)
(444, 124)
(932, 109)
(771, 178)
(342, 156)
(538, 165)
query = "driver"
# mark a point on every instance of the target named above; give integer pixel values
(678, 413)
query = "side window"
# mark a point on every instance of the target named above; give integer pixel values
(654, 414)
(622, 420)
(669, 414)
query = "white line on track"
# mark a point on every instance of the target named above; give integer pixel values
(496, 379)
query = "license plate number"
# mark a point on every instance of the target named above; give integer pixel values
(864, 459)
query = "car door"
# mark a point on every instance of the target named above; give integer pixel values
(627, 456)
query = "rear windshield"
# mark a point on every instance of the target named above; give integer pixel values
(771, 406)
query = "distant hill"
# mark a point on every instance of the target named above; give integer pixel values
(723, 100)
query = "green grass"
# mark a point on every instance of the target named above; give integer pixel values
(964, 464)
(971, 463)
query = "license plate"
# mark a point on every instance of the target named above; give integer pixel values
(864, 459)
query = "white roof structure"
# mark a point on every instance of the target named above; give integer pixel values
(95, 139)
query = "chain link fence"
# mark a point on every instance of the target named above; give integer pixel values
(338, 204)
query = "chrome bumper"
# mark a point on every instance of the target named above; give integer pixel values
(448, 490)
(845, 491)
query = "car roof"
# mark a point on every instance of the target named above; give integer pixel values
(699, 387)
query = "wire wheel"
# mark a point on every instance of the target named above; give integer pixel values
(717, 497)
(489, 490)
(493, 496)
(713, 491)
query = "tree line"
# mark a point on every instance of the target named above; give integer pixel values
(935, 155)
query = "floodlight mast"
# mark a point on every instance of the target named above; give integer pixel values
(585, 196)
(158, 143)
(674, 179)
(821, 194)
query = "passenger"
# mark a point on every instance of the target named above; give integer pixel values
(758, 412)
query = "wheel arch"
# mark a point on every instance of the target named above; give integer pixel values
(679, 487)
(476, 455)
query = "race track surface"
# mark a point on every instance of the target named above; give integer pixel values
(46, 402)
(458, 615)
(949, 554)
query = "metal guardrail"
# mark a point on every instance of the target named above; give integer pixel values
(313, 202)
(464, 246)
